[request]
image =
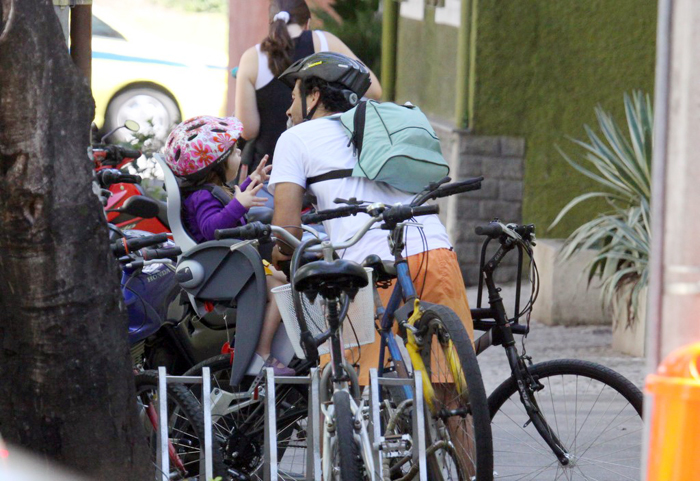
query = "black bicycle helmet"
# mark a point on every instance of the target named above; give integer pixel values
(334, 68)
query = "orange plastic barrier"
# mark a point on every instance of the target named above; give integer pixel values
(674, 443)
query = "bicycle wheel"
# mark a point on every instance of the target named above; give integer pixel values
(240, 426)
(185, 427)
(347, 461)
(593, 411)
(458, 412)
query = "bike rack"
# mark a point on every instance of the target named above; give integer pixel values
(163, 459)
(378, 442)
(313, 431)
(313, 428)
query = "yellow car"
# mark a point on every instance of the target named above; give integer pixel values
(151, 80)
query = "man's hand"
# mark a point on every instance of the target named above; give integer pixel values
(278, 257)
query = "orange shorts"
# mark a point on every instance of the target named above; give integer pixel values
(443, 284)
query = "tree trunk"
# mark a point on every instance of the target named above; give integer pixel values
(66, 386)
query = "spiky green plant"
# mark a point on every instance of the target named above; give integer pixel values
(621, 165)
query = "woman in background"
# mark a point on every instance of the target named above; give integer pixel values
(262, 100)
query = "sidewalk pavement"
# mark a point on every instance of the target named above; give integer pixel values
(591, 343)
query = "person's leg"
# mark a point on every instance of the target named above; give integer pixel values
(271, 321)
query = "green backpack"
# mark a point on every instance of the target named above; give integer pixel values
(394, 144)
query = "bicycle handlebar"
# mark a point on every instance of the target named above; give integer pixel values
(107, 177)
(125, 246)
(438, 190)
(493, 229)
(344, 211)
(162, 253)
(496, 229)
(254, 230)
(390, 215)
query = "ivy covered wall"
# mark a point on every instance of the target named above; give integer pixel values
(426, 65)
(540, 68)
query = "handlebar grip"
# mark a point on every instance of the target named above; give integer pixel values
(130, 153)
(124, 246)
(108, 177)
(460, 187)
(490, 230)
(164, 253)
(320, 216)
(426, 210)
(232, 233)
(254, 230)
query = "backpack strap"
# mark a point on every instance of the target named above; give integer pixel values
(356, 141)
(217, 192)
(333, 174)
(358, 134)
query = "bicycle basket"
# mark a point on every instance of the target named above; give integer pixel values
(360, 317)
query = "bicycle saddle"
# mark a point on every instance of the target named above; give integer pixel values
(330, 278)
(383, 270)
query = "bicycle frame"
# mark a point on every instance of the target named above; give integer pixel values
(405, 290)
(499, 330)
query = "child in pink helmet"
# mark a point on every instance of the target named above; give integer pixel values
(202, 152)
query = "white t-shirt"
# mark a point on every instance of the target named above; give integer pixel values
(320, 146)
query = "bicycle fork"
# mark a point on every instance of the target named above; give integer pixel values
(527, 386)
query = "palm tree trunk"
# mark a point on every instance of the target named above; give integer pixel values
(66, 386)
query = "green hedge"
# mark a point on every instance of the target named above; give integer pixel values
(541, 68)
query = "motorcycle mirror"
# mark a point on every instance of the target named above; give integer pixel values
(139, 206)
(132, 125)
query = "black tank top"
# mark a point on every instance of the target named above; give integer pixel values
(274, 99)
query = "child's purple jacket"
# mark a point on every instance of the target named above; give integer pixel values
(203, 214)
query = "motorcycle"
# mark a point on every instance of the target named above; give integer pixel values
(112, 157)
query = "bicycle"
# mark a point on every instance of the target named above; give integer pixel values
(535, 436)
(185, 428)
(461, 400)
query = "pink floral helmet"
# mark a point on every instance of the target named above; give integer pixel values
(197, 145)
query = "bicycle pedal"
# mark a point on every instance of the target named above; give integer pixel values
(234, 475)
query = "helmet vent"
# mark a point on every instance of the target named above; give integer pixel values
(218, 131)
(177, 153)
(194, 127)
(191, 137)
(224, 124)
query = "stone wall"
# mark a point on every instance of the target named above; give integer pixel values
(500, 161)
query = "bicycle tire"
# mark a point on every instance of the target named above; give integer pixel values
(243, 451)
(471, 436)
(602, 390)
(347, 449)
(186, 421)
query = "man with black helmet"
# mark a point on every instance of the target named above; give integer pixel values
(325, 84)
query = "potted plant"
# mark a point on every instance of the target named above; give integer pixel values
(621, 164)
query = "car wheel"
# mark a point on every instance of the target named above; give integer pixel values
(144, 105)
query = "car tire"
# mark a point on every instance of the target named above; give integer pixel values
(142, 104)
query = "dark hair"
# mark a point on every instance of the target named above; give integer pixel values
(332, 96)
(278, 45)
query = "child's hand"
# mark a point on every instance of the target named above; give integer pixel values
(261, 174)
(247, 197)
